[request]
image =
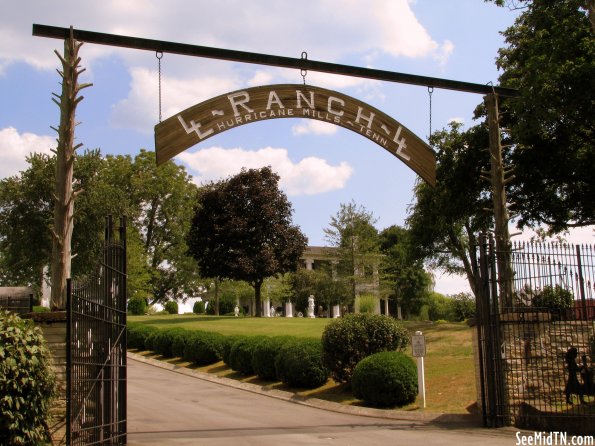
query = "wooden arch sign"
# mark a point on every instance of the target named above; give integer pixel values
(225, 112)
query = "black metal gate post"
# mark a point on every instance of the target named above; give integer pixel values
(489, 344)
(96, 353)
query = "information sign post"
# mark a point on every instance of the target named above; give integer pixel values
(418, 346)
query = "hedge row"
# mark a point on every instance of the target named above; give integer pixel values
(296, 362)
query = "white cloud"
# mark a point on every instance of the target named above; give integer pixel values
(443, 52)
(261, 77)
(327, 30)
(140, 110)
(311, 126)
(450, 284)
(397, 31)
(15, 147)
(310, 176)
(456, 119)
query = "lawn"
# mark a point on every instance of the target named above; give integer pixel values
(449, 368)
(230, 325)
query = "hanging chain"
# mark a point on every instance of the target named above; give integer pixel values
(159, 56)
(430, 91)
(304, 72)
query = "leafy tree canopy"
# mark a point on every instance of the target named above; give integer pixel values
(550, 59)
(351, 231)
(444, 220)
(242, 230)
(158, 202)
(402, 273)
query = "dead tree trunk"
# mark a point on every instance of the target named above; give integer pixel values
(65, 153)
(499, 177)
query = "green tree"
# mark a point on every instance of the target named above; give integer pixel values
(444, 221)
(158, 204)
(26, 214)
(326, 291)
(242, 230)
(403, 274)
(550, 59)
(163, 198)
(352, 232)
(25, 211)
(462, 306)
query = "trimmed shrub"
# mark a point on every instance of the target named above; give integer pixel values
(27, 382)
(554, 299)
(240, 355)
(198, 307)
(385, 379)
(171, 307)
(179, 342)
(164, 339)
(227, 345)
(203, 348)
(348, 340)
(299, 364)
(264, 354)
(137, 305)
(139, 334)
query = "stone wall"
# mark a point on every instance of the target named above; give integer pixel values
(534, 352)
(53, 326)
(533, 349)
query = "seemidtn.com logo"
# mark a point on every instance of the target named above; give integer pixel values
(553, 439)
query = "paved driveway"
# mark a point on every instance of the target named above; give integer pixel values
(169, 408)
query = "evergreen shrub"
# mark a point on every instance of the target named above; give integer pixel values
(203, 348)
(240, 355)
(385, 379)
(346, 341)
(179, 342)
(554, 299)
(137, 305)
(27, 382)
(299, 364)
(227, 345)
(198, 307)
(264, 354)
(164, 339)
(171, 307)
(138, 336)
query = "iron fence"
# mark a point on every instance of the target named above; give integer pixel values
(537, 354)
(548, 366)
(563, 269)
(96, 357)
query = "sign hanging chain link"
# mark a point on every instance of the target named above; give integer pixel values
(430, 91)
(159, 56)
(304, 72)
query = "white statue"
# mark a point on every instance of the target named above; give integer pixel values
(236, 311)
(311, 306)
(272, 312)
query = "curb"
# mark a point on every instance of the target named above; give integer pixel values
(453, 420)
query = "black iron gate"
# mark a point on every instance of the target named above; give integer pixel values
(96, 354)
(536, 347)
(488, 335)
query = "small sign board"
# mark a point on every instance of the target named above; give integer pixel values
(418, 345)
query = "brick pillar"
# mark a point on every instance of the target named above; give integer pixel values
(53, 326)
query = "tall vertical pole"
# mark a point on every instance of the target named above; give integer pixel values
(499, 177)
(581, 282)
(65, 153)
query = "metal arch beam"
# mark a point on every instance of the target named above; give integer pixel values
(265, 59)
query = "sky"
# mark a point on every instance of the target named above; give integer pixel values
(321, 165)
